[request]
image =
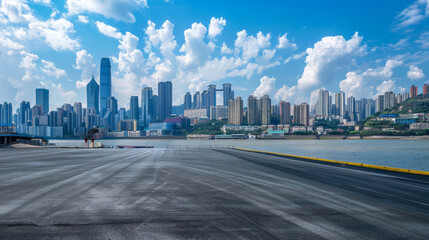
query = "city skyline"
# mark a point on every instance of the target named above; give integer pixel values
(274, 57)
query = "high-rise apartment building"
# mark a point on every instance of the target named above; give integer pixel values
(212, 95)
(235, 111)
(284, 108)
(325, 102)
(197, 103)
(379, 104)
(296, 114)
(425, 89)
(304, 114)
(413, 91)
(227, 93)
(340, 104)
(42, 99)
(165, 94)
(92, 95)
(134, 108)
(389, 100)
(6, 113)
(252, 111)
(187, 103)
(351, 108)
(265, 110)
(23, 107)
(218, 112)
(105, 84)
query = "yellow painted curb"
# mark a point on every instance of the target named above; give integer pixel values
(392, 169)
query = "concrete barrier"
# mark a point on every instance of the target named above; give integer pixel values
(392, 169)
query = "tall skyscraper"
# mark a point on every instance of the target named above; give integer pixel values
(265, 110)
(325, 103)
(197, 100)
(296, 114)
(105, 84)
(389, 100)
(165, 95)
(252, 111)
(92, 95)
(134, 108)
(351, 108)
(212, 95)
(227, 93)
(6, 113)
(340, 103)
(413, 91)
(425, 89)
(235, 111)
(147, 105)
(23, 107)
(304, 111)
(187, 103)
(379, 104)
(284, 112)
(42, 99)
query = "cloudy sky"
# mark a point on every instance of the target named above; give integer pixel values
(287, 49)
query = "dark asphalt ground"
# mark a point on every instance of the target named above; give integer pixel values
(201, 194)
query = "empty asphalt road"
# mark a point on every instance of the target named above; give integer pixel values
(48, 193)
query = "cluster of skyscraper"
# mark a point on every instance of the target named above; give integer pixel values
(155, 111)
(351, 109)
(260, 111)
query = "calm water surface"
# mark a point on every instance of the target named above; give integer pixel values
(409, 154)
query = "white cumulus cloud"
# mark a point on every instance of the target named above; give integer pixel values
(267, 86)
(216, 26)
(415, 73)
(49, 69)
(118, 10)
(108, 30)
(85, 63)
(326, 56)
(285, 43)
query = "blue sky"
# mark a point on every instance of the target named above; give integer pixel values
(287, 49)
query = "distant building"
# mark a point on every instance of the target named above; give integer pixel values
(304, 111)
(105, 84)
(425, 89)
(42, 99)
(284, 108)
(340, 104)
(187, 101)
(165, 94)
(196, 113)
(413, 91)
(147, 106)
(92, 95)
(227, 94)
(265, 110)
(235, 111)
(218, 112)
(134, 108)
(253, 113)
(6, 114)
(127, 125)
(325, 102)
(389, 100)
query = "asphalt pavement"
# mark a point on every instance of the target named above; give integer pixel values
(52, 193)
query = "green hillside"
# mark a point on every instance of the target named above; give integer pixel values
(416, 105)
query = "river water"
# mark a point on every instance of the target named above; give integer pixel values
(409, 154)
